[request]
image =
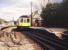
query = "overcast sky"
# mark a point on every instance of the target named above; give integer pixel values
(16, 8)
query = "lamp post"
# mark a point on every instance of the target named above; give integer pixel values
(31, 13)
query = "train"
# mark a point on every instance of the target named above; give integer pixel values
(24, 21)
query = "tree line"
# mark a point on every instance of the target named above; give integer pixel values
(55, 14)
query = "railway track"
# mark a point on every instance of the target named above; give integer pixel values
(47, 40)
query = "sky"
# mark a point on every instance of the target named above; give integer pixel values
(13, 9)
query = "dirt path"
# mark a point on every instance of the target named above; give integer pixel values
(16, 41)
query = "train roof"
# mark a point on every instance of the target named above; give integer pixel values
(24, 16)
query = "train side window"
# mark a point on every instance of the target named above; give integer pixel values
(28, 20)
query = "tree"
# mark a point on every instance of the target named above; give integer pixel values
(50, 12)
(65, 8)
(56, 14)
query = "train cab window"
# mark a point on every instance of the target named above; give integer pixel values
(28, 20)
(21, 20)
(24, 20)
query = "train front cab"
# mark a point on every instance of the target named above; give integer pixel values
(24, 22)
